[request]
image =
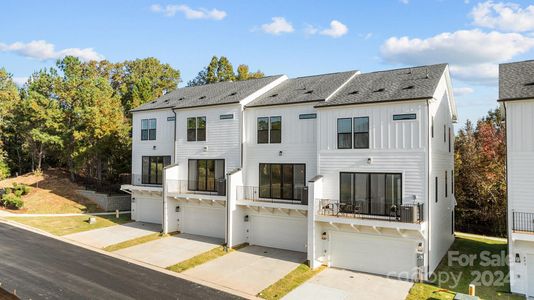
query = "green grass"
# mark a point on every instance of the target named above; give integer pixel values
(292, 280)
(67, 225)
(202, 258)
(136, 241)
(470, 245)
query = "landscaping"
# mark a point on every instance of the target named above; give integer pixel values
(136, 241)
(202, 258)
(292, 280)
(64, 225)
(494, 279)
(10, 197)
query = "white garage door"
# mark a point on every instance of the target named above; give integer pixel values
(279, 232)
(205, 221)
(373, 254)
(148, 210)
(530, 275)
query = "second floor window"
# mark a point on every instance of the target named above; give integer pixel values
(269, 130)
(152, 169)
(148, 129)
(196, 129)
(353, 133)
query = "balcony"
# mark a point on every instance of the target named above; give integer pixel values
(215, 187)
(523, 222)
(402, 213)
(252, 193)
(138, 180)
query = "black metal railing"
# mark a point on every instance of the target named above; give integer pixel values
(252, 193)
(404, 213)
(139, 179)
(216, 187)
(522, 221)
(98, 185)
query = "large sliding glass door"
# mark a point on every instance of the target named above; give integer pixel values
(205, 174)
(282, 181)
(371, 193)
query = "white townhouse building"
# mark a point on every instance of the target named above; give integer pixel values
(354, 169)
(516, 94)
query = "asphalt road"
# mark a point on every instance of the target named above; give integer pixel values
(39, 267)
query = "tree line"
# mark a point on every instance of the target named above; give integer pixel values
(75, 115)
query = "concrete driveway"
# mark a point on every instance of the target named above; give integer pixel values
(170, 250)
(249, 270)
(343, 284)
(103, 237)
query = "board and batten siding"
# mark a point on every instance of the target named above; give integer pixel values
(520, 145)
(223, 139)
(162, 146)
(394, 146)
(298, 145)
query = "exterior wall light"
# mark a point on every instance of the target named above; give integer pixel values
(246, 218)
(154, 147)
(420, 248)
(177, 209)
(323, 236)
(517, 258)
(369, 160)
(280, 153)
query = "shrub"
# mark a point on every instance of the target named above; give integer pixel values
(12, 201)
(9, 190)
(20, 189)
(17, 192)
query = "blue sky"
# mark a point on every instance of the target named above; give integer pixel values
(279, 37)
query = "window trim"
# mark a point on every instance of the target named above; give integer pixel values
(360, 133)
(446, 184)
(436, 186)
(308, 116)
(449, 140)
(149, 129)
(281, 180)
(268, 130)
(369, 188)
(349, 133)
(405, 117)
(150, 157)
(196, 129)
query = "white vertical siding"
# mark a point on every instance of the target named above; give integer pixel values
(164, 137)
(298, 144)
(222, 136)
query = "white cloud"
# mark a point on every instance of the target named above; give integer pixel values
(337, 29)
(192, 14)
(473, 54)
(43, 50)
(277, 26)
(462, 91)
(20, 81)
(503, 16)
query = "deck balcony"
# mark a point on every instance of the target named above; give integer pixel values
(251, 196)
(404, 213)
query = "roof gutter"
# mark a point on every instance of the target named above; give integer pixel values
(374, 102)
(516, 99)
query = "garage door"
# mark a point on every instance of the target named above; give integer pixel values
(373, 254)
(148, 210)
(530, 275)
(205, 221)
(279, 232)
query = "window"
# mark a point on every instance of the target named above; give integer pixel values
(361, 133)
(450, 140)
(282, 181)
(148, 129)
(196, 129)
(403, 117)
(432, 128)
(445, 133)
(371, 193)
(226, 117)
(152, 169)
(446, 186)
(307, 116)
(436, 189)
(206, 175)
(344, 133)
(269, 130)
(452, 221)
(452, 182)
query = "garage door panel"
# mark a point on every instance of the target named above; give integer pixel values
(373, 254)
(279, 232)
(204, 221)
(149, 210)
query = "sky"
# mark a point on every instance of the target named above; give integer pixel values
(296, 38)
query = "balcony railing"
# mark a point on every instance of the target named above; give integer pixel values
(252, 193)
(523, 222)
(137, 179)
(215, 187)
(404, 213)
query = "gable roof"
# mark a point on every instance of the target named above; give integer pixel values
(209, 94)
(304, 89)
(391, 85)
(516, 80)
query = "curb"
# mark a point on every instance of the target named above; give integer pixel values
(129, 260)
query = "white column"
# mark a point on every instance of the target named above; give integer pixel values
(315, 193)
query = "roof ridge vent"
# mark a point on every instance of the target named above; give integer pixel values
(353, 93)
(379, 90)
(529, 84)
(202, 97)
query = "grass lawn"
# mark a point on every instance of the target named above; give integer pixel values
(68, 225)
(202, 258)
(136, 241)
(292, 280)
(470, 245)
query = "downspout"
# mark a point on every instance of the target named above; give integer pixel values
(174, 139)
(428, 186)
(509, 233)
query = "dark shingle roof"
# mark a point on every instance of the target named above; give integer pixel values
(209, 94)
(516, 80)
(304, 89)
(392, 85)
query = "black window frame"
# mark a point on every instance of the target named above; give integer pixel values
(196, 133)
(405, 117)
(450, 140)
(432, 127)
(360, 133)
(149, 133)
(369, 194)
(446, 184)
(159, 177)
(444, 133)
(308, 116)
(271, 130)
(265, 135)
(293, 185)
(194, 186)
(226, 117)
(436, 186)
(344, 133)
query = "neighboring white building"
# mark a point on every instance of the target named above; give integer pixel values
(516, 93)
(354, 169)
